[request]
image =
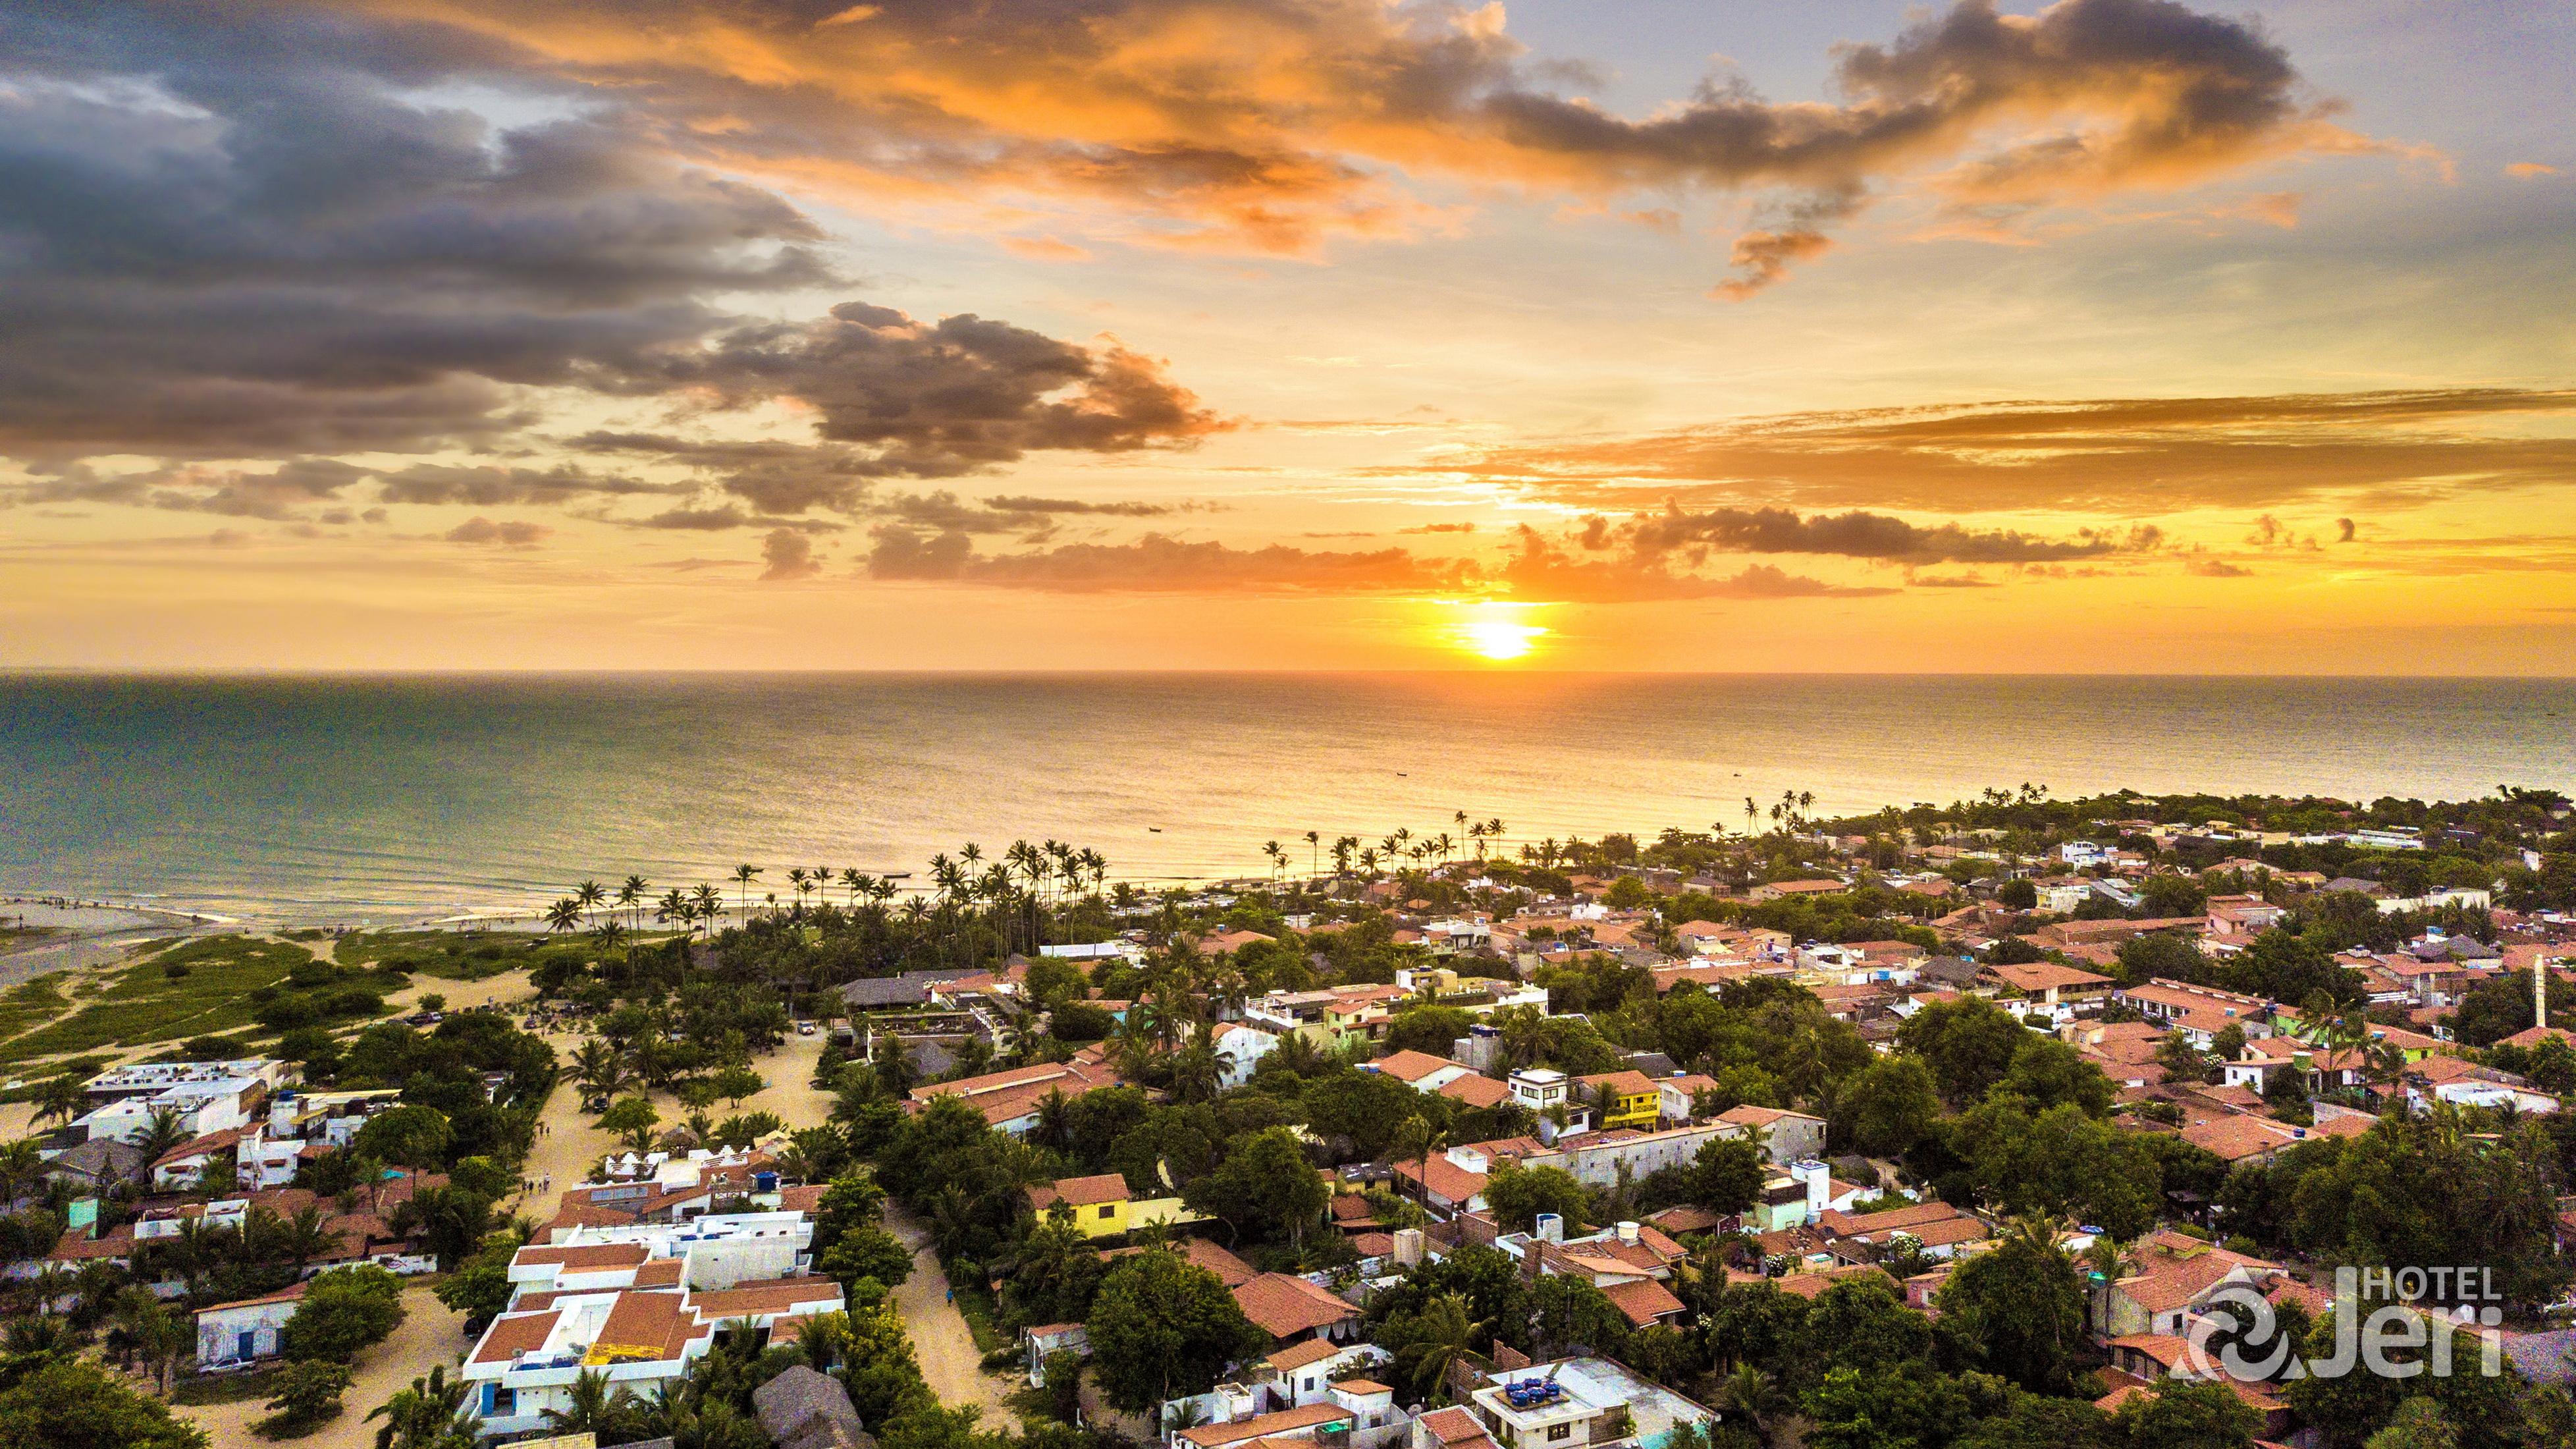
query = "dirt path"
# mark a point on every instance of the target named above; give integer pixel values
(431, 1334)
(568, 1140)
(940, 1339)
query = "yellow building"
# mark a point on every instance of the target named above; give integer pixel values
(1103, 1207)
(1625, 1099)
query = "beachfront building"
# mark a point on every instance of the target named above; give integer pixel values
(205, 1097)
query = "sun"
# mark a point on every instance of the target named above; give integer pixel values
(1494, 631)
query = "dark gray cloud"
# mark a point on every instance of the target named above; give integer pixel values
(787, 554)
(940, 399)
(1849, 535)
(1018, 503)
(507, 533)
(249, 231)
(233, 230)
(1535, 568)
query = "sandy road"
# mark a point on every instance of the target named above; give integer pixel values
(431, 1333)
(950, 1361)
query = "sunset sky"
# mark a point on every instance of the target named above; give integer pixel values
(2110, 335)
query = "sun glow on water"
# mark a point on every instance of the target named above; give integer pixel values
(1494, 632)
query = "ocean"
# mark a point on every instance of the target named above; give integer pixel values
(383, 799)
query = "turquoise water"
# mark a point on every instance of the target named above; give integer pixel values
(386, 798)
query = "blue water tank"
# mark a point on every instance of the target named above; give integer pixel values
(764, 1182)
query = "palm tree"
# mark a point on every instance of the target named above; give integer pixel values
(1750, 1392)
(744, 875)
(710, 903)
(20, 1166)
(157, 1335)
(61, 1099)
(631, 895)
(2109, 1257)
(165, 1130)
(608, 935)
(1418, 1139)
(589, 1401)
(1278, 857)
(306, 1236)
(1443, 1333)
(853, 880)
(563, 915)
(431, 1414)
(589, 893)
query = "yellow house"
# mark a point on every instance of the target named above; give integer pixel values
(1102, 1206)
(1625, 1099)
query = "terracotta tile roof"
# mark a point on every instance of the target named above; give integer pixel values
(211, 1143)
(1451, 1425)
(645, 1324)
(287, 1294)
(1229, 1269)
(1644, 1300)
(660, 1273)
(587, 1257)
(1210, 1436)
(745, 1300)
(2234, 1139)
(1688, 1218)
(1283, 1305)
(1080, 1191)
(1411, 1066)
(1445, 1178)
(1297, 1355)
(1476, 1091)
(1813, 1285)
(512, 1334)
(2041, 975)
(1628, 1083)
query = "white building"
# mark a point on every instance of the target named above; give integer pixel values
(207, 1097)
(1242, 1046)
(639, 1303)
(1582, 1403)
(236, 1335)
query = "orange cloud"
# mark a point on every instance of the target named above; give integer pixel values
(2123, 457)
(1270, 125)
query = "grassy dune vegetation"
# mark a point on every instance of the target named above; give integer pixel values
(446, 955)
(191, 989)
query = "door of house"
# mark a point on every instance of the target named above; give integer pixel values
(247, 1345)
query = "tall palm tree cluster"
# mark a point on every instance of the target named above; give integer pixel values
(1393, 851)
(1008, 900)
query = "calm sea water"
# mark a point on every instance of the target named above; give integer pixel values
(386, 798)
